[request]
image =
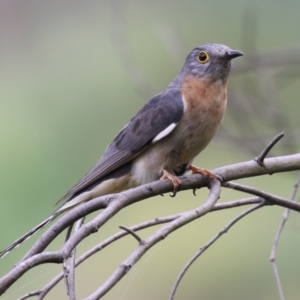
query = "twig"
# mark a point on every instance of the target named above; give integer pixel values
(159, 235)
(72, 265)
(36, 293)
(69, 271)
(130, 231)
(269, 197)
(261, 157)
(276, 241)
(212, 241)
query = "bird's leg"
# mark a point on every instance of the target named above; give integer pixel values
(175, 181)
(203, 172)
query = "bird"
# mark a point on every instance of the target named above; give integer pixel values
(163, 138)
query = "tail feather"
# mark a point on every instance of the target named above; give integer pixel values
(26, 236)
(65, 207)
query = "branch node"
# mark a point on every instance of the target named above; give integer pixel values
(131, 232)
(95, 229)
(126, 267)
(66, 277)
(109, 200)
(31, 294)
(220, 177)
(149, 188)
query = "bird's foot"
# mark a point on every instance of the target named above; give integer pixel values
(175, 181)
(204, 173)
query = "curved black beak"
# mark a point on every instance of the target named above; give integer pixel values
(233, 54)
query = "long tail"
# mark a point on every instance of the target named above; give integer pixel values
(65, 207)
(26, 236)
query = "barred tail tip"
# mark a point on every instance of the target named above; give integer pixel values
(25, 237)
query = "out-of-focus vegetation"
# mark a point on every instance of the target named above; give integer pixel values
(74, 72)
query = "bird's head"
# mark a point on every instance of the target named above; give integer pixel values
(210, 61)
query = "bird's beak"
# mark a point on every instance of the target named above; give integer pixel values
(233, 54)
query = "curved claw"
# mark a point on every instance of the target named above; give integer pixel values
(175, 181)
(173, 194)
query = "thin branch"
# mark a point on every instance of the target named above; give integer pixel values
(269, 197)
(32, 294)
(66, 276)
(159, 235)
(276, 241)
(211, 242)
(260, 159)
(147, 224)
(131, 232)
(72, 265)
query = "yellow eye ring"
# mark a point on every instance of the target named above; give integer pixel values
(203, 57)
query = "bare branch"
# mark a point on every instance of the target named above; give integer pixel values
(112, 204)
(158, 236)
(269, 197)
(154, 222)
(130, 231)
(212, 241)
(264, 153)
(72, 265)
(32, 294)
(276, 241)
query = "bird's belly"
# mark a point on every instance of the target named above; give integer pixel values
(194, 140)
(174, 154)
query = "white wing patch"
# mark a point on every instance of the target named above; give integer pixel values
(164, 133)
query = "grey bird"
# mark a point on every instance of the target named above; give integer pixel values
(164, 137)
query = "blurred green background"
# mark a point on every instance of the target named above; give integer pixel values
(74, 72)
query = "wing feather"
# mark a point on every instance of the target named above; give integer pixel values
(154, 118)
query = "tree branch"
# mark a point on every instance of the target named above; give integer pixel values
(212, 241)
(162, 233)
(112, 204)
(276, 241)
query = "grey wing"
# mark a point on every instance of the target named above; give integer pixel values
(155, 120)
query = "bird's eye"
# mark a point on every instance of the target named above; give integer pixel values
(203, 57)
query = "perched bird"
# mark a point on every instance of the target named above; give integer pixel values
(163, 138)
